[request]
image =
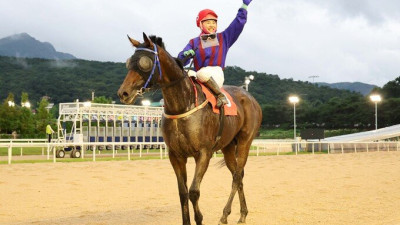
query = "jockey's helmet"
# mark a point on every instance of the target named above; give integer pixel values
(206, 14)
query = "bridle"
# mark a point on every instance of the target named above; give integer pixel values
(157, 63)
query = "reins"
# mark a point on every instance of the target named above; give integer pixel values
(157, 63)
(198, 107)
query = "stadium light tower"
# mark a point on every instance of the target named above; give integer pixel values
(26, 104)
(294, 100)
(376, 98)
(247, 80)
(313, 77)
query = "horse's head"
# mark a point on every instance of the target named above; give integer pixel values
(143, 69)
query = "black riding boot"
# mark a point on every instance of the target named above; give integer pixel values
(213, 86)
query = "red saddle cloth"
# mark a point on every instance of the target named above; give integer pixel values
(230, 109)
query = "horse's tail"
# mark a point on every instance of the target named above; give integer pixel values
(221, 163)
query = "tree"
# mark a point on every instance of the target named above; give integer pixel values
(27, 121)
(9, 114)
(102, 99)
(392, 89)
(43, 117)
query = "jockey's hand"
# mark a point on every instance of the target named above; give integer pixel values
(189, 52)
(246, 2)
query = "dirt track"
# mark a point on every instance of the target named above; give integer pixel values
(362, 188)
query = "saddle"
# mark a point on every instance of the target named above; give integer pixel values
(230, 109)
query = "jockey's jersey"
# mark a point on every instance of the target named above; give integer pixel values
(212, 51)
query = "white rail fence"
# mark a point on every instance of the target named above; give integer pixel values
(50, 149)
(259, 147)
(283, 147)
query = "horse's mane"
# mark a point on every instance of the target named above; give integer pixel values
(157, 40)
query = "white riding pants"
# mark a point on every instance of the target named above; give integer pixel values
(204, 74)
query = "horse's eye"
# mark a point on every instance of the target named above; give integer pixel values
(128, 61)
(145, 63)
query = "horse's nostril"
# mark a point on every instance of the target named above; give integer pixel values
(125, 94)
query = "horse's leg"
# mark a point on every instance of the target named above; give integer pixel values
(230, 161)
(236, 165)
(243, 153)
(202, 162)
(179, 165)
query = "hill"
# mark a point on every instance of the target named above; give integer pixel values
(24, 46)
(68, 80)
(359, 87)
(319, 106)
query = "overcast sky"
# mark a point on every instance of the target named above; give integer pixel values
(336, 40)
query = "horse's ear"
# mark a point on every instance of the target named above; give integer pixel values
(147, 40)
(133, 41)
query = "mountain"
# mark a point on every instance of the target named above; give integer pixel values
(359, 87)
(24, 46)
(68, 80)
(319, 106)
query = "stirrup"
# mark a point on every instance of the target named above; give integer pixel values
(221, 100)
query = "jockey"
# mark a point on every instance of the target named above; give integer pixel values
(211, 49)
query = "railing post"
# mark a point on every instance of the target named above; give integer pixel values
(48, 151)
(54, 153)
(9, 153)
(82, 151)
(94, 153)
(161, 153)
(342, 147)
(113, 150)
(367, 147)
(312, 148)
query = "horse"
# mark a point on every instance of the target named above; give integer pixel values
(190, 129)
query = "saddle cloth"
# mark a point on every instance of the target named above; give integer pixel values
(230, 109)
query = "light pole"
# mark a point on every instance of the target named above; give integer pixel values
(11, 103)
(247, 80)
(26, 104)
(294, 100)
(146, 102)
(376, 98)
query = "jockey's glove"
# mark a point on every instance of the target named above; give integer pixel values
(245, 4)
(189, 52)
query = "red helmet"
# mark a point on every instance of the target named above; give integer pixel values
(203, 13)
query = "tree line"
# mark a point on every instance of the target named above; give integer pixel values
(69, 80)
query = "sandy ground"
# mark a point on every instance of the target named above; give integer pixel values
(354, 188)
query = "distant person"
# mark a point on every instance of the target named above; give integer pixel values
(49, 132)
(14, 134)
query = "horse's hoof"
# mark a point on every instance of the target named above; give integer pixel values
(241, 222)
(222, 223)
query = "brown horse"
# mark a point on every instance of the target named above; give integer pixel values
(190, 130)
